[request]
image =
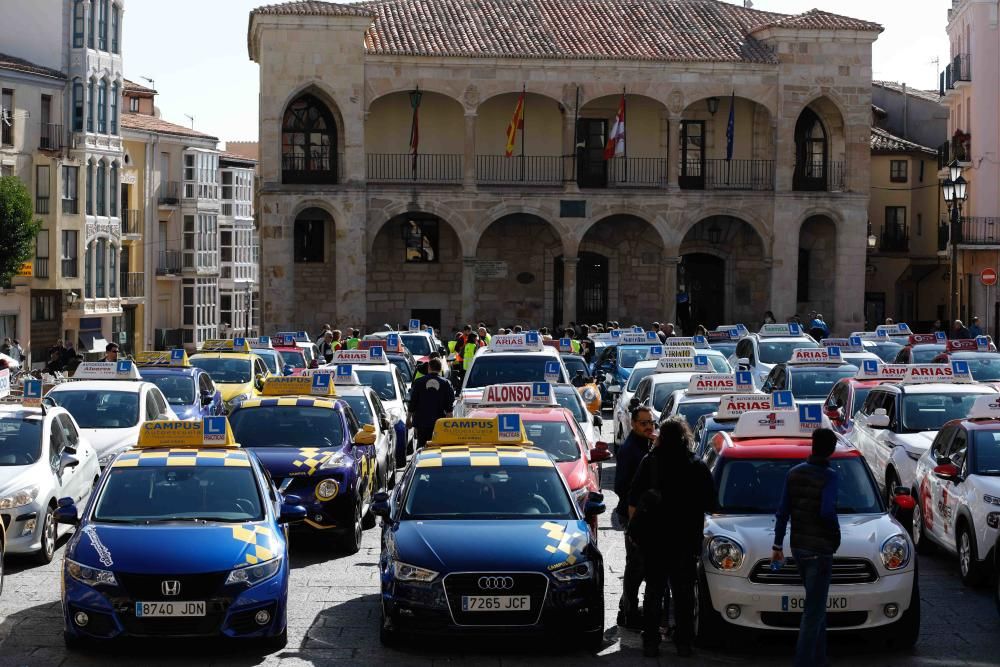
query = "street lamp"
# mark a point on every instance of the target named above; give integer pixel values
(713, 105)
(955, 190)
(72, 297)
(872, 239)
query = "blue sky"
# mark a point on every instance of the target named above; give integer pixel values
(195, 51)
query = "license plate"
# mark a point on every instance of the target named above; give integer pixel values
(834, 603)
(168, 609)
(496, 603)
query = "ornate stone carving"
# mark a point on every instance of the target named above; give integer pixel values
(675, 101)
(471, 97)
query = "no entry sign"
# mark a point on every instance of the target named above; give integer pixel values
(988, 276)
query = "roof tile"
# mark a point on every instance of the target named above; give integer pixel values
(21, 65)
(884, 142)
(147, 123)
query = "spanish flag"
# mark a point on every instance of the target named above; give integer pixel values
(516, 123)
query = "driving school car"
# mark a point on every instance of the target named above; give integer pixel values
(189, 390)
(731, 406)
(234, 368)
(482, 537)
(184, 537)
(873, 583)
(312, 446)
(849, 394)
(773, 344)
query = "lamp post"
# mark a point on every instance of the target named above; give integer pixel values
(872, 239)
(713, 105)
(955, 191)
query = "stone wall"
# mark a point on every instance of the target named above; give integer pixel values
(819, 237)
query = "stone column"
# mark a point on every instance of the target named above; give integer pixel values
(669, 302)
(352, 265)
(673, 141)
(469, 166)
(569, 289)
(849, 283)
(468, 290)
(785, 266)
(277, 280)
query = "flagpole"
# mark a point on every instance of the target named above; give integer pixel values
(625, 133)
(524, 109)
(576, 131)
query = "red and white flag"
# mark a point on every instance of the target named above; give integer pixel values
(616, 140)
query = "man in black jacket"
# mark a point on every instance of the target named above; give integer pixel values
(809, 499)
(431, 398)
(669, 498)
(627, 461)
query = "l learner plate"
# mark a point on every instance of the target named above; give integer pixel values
(833, 603)
(496, 602)
(169, 609)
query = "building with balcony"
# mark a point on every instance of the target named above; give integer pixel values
(974, 141)
(238, 245)
(387, 191)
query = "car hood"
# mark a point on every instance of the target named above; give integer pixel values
(15, 478)
(485, 545)
(917, 443)
(111, 440)
(178, 548)
(574, 472)
(298, 461)
(187, 412)
(861, 535)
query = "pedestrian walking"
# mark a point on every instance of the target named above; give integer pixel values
(809, 500)
(627, 460)
(327, 346)
(974, 329)
(958, 330)
(769, 317)
(432, 398)
(668, 500)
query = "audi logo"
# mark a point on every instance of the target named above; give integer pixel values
(496, 583)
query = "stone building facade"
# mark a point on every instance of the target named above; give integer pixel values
(357, 230)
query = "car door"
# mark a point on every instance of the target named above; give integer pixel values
(882, 439)
(383, 427)
(863, 435)
(929, 491)
(949, 492)
(80, 483)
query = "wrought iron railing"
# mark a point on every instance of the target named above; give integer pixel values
(50, 137)
(979, 231)
(518, 169)
(816, 177)
(168, 192)
(133, 285)
(41, 205)
(719, 174)
(168, 262)
(961, 68)
(642, 172)
(894, 239)
(41, 267)
(423, 168)
(131, 222)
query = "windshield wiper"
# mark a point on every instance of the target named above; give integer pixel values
(168, 519)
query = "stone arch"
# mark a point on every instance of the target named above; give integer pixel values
(456, 221)
(389, 119)
(623, 210)
(759, 225)
(817, 266)
(645, 138)
(543, 137)
(520, 249)
(415, 264)
(424, 88)
(702, 140)
(735, 247)
(325, 97)
(819, 139)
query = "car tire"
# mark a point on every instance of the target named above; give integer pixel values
(277, 642)
(49, 536)
(891, 482)
(709, 628)
(918, 532)
(970, 569)
(593, 640)
(905, 632)
(387, 636)
(349, 541)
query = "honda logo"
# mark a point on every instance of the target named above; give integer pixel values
(170, 587)
(496, 583)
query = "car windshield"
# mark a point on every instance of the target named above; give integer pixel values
(404, 367)
(986, 460)
(271, 359)
(489, 369)
(662, 391)
(569, 398)
(179, 493)
(487, 492)
(985, 367)
(419, 346)
(379, 379)
(779, 351)
(92, 408)
(929, 412)
(293, 358)
(925, 354)
(727, 349)
(816, 382)
(692, 410)
(20, 440)
(628, 355)
(754, 486)
(886, 350)
(556, 438)
(225, 370)
(362, 410)
(284, 426)
(637, 374)
(178, 389)
(719, 363)
(574, 364)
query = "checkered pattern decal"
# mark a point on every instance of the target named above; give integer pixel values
(286, 401)
(260, 539)
(182, 457)
(571, 544)
(310, 458)
(487, 455)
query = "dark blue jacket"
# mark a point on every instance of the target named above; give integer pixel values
(627, 461)
(809, 499)
(432, 397)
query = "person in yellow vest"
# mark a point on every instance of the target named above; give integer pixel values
(354, 340)
(574, 344)
(469, 351)
(484, 335)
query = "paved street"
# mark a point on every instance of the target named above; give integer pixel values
(333, 620)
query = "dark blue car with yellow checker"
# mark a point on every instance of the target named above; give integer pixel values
(184, 537)
(313, 447)
(482, 537)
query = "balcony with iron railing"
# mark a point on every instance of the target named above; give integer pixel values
(168, 263)
(721, 174)
(41, 205)
(521, 170)
(131, 219)
(70, 206)
(50, 137)
(894, 238)
(820, 177)
(169, 193)
(945, 82)
(961, 69)
(406, 168)
(132, 285)
(979, 231)
(41, 267)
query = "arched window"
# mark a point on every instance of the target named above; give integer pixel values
(114, 108)
(810, 152)
(100, 264)
(308, 142)
(113, 212)
(102, 106)
(90, 188)
(102, 184)
(91, 23)
(115, 27)
(102, 25)
(78, 25)
(88, 272)
(77, 105)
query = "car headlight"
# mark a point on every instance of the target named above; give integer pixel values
(395, 413)
(90, 575)
(407, 572)
(574, 572)
(336, 460)
(588, 394)
(327, 489)
(896, 552)
(19, 498)
(725, 554)
(254, 574)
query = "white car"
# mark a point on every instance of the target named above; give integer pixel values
(897, 422)
(874, 583)
(957, 489)
(111, 412)
(774, 344)
(44, 457)
(368, 408)
(622, 416)
(703, 394)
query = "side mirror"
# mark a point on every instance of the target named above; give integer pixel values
(380, 504)
(258, 382)
(368, 428)
(364, 437)
(207, 397)
(633, 403)
(902, 498)
(833, 413)
(743, 363)
(292, 510)
(314, 363)
(600, 453)
(67, 460)
(598, 421)
(948, 472)
(66, 512)
(287, 369)
(878, 419)
(594, 505)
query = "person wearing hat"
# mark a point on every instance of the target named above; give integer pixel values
(111, 352)
(974, 328)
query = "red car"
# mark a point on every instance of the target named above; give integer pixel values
(981, 355)
(555, 430)
(922, 348)
(849, 394)
(294, 357)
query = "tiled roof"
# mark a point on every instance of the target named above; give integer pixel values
(929, 95)
(147, 123)
(815, 19)
(884, 142)
(22, 65)
(236, 157)
(133, 87)
(313, 8)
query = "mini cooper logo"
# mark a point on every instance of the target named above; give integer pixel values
(496, 583)
(170, 587)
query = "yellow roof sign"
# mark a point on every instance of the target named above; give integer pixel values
(318, 384)
(225, 345)
(210, 432)
(505, 429)
(176, 357)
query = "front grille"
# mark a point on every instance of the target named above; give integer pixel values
(148, 587)
(243, 622)
(836, 619)
(845, 571)
(533, 584)
(172, 627)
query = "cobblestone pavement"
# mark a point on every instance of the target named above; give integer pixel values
(333, 612)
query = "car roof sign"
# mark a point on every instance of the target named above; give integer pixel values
(977, 344)
(731, 406)
(719, 383)
(295, 336)
(4, 383)
(985, 407)
(781, 423)
(260, 343)
(31, 393)
(345, 375)
(107, 370)
(901, 329)
(655, 352)
(317, 384)
(829, 355)
(505, 429)
(372, 355)
(225, 345)
(210, 432)
(873, 369)
(390, 343)
(955, 373)
(668, 364)
(678, 351)
(530, 341)
(176, 358)
(693, 341)
(778, 330)
(519, 393)
(851, 344)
